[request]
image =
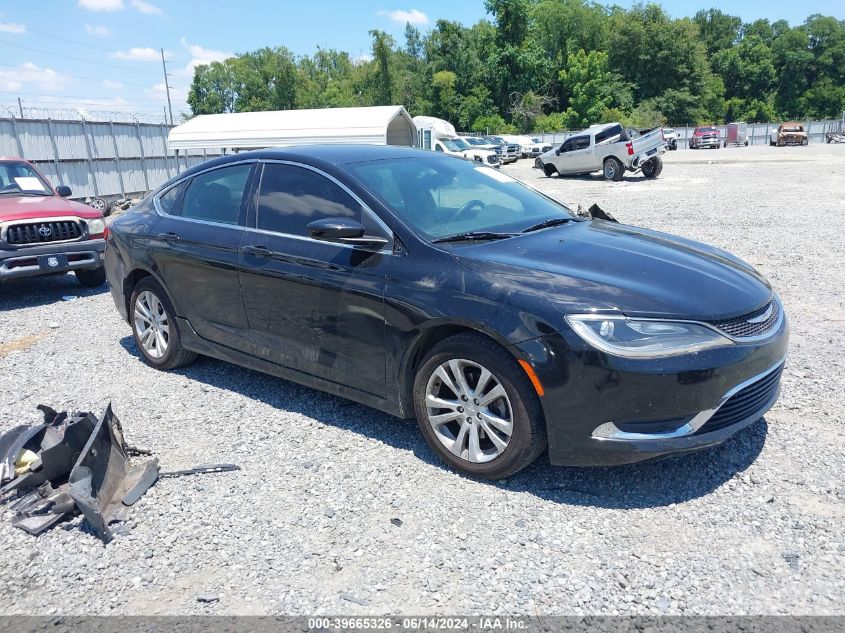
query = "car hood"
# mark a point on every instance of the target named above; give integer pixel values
(608, 266)
(38, 207)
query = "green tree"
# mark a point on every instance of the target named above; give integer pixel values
(590, 88)
(212, 89)
(717, 30)
(382, 79)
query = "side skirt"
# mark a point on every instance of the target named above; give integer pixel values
(194, 342)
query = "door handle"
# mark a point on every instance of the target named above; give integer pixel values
(168, 237)
(257, 251)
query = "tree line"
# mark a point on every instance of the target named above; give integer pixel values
(545, 65)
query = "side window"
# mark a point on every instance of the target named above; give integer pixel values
(291, 197)
(438, 147)
(580, 142)
(168, 199)
(609, 133)
(216, 195)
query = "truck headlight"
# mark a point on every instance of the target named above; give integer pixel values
(644, 338)
(96, 227)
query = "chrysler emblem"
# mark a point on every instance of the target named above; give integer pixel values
(45, 231)
(52, 262)
(763, 317)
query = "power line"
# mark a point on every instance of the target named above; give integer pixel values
(89, 97)
(64, 74)
(79, 59)
(66, 39)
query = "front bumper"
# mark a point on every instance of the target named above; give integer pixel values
(51, 259)
(604, 410)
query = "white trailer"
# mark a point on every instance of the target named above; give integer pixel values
(379, 125)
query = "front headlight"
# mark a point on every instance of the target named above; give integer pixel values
(644, 338)
(96, 227)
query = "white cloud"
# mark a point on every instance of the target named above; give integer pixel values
(114, 85)
(199, 56)
(139, 54)
(11, 27)
(363, 58)
(98, 30)
(29, 74)
(146, 7)
(414, 16)
(101, 5)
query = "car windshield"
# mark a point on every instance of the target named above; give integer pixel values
(793, 128)
(668, 130)
(708, 130)
(440, 196)
(454, 144)
(474, 141)
(20, 178)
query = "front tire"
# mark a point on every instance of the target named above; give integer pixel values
(549, 170)
(91, 277)
(154, 327)
(613, 169)
(653, 167)
(477, 409)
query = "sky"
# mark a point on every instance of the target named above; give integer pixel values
(105, 54)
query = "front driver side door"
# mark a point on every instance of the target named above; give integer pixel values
(313, 306)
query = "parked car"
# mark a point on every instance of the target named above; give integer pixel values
(444, 290)
(42, 233)
(789, 134)
(536, 147)
(706, 136)
(671, 138)
(508, 152)
(608, 148)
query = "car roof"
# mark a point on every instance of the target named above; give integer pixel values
(318, 155)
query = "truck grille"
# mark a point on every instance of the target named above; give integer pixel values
(755, 323)
(43, 232)
(755, 399)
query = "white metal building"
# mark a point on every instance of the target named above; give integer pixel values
(378, 125)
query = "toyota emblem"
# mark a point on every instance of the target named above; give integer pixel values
(45, 231)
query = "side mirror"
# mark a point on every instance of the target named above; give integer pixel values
(64, 191)
(344, 231)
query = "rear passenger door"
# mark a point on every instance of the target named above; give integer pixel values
(195, 250)
(313, 306)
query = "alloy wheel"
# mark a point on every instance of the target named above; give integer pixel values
(469, 410)
(152, 325)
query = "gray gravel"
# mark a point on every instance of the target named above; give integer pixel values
(309, 525)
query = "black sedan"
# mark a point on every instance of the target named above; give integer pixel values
(431, 287)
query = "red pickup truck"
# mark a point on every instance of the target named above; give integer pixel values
(42, 233)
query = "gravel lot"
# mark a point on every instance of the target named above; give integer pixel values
(754, 526)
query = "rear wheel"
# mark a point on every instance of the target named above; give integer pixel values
(477, 409)
(805, 141)
(154, 327)
(653, 167)
(92, 277)
(613, 169)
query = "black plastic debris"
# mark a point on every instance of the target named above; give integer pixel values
(102, 483)
(597, 212)
(77, 462)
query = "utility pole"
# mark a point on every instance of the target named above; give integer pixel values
(167, 86)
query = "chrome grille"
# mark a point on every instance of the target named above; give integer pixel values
(43, 232)
(745, 326)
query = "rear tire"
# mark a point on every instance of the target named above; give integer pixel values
(613, 169)
(806, 141)
(92, 277)
(459, 431)
(154, 327)
(653, 167)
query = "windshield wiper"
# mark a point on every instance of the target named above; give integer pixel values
(472, 236)
(547, 223)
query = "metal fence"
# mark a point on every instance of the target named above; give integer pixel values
(108, 159)
(758, 133)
